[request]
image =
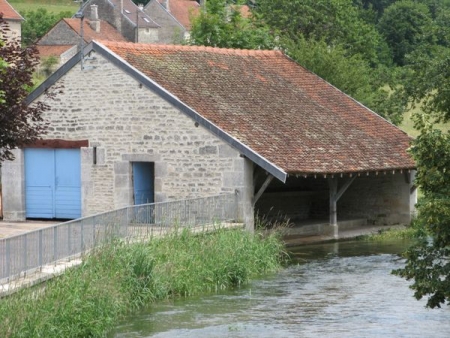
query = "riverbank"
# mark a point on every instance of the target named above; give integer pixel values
(87, 301)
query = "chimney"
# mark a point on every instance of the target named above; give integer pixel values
(118, 10)
(166, 5)
(95, 22)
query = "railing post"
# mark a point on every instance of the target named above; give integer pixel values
(8, 257)
(25, 252)
(69, 238)
(55, 243)
(82, 236)
(40, 249)
(94, 244)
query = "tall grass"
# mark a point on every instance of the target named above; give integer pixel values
(88, 300)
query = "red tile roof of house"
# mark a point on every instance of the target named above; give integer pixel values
(107, 32)
(9, 13)
(288, 115)
(182, 10)
(52, 50)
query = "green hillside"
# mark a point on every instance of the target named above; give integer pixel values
(53, 6)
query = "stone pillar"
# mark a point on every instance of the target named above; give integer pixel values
(13, 187)
(245, 197)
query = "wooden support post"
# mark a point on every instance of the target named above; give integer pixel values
(262, 189)
(333, 184)
(335, 195)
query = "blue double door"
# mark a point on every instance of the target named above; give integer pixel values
(53, 183)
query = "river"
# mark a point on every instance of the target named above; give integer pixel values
(331, 290)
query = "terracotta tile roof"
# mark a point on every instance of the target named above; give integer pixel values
(9, 13)
(288, 115)
(182, 10)
(107, 32)
(52, 50)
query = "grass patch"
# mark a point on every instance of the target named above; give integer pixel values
(392, 234)
(52, 6)
(88, 300)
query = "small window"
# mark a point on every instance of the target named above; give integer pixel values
(146, 20)
(127, 11)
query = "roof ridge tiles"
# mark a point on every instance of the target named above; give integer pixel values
(217, 50)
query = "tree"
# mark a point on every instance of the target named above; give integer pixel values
(20, 124)
(222, 24)
(332, 21)
(427, 261)
(38, 23)
(428, 81)
(406, 25)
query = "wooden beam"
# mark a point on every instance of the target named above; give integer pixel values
(58, 143)
(262, 189)
(344, 188)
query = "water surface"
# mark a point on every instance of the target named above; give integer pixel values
(333, 290)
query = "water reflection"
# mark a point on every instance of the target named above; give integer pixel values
(334, 290)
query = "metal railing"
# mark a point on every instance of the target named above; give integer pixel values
(25, 253)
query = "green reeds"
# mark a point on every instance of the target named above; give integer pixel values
(121, 277)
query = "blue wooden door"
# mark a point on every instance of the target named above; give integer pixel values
(67, 183)
(53, 183)
(143, 182)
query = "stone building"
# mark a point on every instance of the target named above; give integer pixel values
(64, 39)
(12, 18)
(174, 18)
(127, 18)
(201, 121)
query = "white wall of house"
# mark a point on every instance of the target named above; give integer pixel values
(15, 29)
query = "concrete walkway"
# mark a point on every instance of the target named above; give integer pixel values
(9, 229)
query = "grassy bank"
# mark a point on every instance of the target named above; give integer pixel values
(88, 300)
(392, 234)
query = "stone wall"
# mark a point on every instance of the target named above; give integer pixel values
(382, 199)
(61, 34)
(127, 122)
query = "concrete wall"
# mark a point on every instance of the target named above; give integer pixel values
(171, 30)
(126, 122)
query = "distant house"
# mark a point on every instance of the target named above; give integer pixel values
(63, 39)
(201, 121)
(174, 17)
(127, 18)
(13, 18)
